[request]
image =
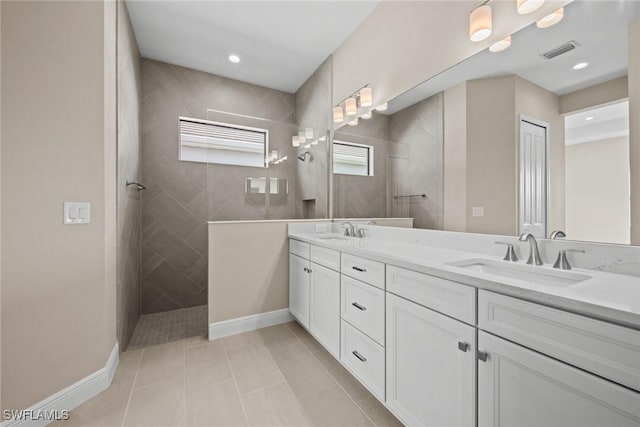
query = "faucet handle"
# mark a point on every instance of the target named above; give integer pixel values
(562, 262)
(511, 253)
(360, 233)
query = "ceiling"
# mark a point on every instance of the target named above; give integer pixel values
(280, 43)
(600, 123)
(600, 28)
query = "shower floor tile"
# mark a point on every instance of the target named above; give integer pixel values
(168, 326)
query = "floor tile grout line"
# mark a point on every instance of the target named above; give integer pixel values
(133, 386)
(235, 383)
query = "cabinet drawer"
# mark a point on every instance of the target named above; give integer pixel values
(371, 272)
(363, 307)
(299, 248)
(607, 350)
(327, 257)
(447, 297)
(364, 358)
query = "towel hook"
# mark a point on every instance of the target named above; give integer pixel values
(139, 186)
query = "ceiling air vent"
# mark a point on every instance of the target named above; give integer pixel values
(567, 47)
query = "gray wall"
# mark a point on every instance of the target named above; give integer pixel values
(129, 213)
(183, 196)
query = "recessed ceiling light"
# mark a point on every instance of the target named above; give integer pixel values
(589, 118)
(234, 58)
(580, 65)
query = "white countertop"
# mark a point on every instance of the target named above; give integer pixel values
(606, 296)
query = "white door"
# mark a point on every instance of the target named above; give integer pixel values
(430, 366)
(533, 178)
(324, 319)
(519, 387)
(299, 289)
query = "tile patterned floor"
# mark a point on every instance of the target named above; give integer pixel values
(168, 326)
(276, 376)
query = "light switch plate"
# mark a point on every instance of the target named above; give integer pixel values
(77, 213)
(477, 211)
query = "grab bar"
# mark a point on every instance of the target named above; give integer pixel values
(424, 196)
(139, 186)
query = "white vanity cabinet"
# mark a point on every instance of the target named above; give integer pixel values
(518, 387)
(314, 292)
(431, 366)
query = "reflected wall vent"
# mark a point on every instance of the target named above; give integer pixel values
(567, 47)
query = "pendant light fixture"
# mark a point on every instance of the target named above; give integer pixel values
(366, 97)
(551, 19)
(295, 141)
(501, 45)
(480, 23)
(338, 114)
(528, 6)
(351, 106)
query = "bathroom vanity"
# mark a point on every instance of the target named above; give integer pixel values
(445, 334)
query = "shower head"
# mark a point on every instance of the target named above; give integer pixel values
(303, 156)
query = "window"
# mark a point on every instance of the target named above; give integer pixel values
(352, 159)
(227, 144)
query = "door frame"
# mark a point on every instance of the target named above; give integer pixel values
(520, 201)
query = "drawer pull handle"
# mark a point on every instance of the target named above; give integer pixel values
(359, 356)
(358, 306)
(361, 270)
(463, 346)
(483, 356)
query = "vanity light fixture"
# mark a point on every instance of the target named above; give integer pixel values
(234, 58)
(501, 45)
(480, 23)
(527, 6)
(580, 65)
(338, 114)
(382, 107)
(351, 106)
(551, 19)
(367, 115)
(295, 141)
(353, 122)
(366, 97)
(308, 133)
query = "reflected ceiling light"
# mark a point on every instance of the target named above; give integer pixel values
(382, 107)
(580, 65)
(551, 19)
(350, 106)
(528, 6)
(322, 138)
(302, 137)
(501, 45)
(308, 133)
(480, 23)
(353, 122)
(367, 116)
(307, 146)
(366, 97)
(295, 141)
(589, 118)
(338, 114)
(234, 58)
(314, 142)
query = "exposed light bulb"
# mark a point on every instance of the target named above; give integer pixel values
(350, 107)
(295, 141)
(528, 6)
(501, 45)
(338, 114)
(382, 107)
(366, 97)
(480, 23)
(551, 19)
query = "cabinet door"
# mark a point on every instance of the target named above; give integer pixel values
(324, 321)
(299, 289)
(519, 387)
(430, 366)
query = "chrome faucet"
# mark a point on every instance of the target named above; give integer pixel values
(534, 253)
(349, 230)
(562, 262)
(557, 233)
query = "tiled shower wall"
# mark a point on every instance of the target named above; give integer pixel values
(128, 211)
(182, 196)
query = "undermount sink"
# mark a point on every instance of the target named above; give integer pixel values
(333, 239)
(524, 272)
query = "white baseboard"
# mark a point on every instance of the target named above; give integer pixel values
(74, 395)
(248, 323)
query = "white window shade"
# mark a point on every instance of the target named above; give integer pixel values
(211, 142)
(352, 159)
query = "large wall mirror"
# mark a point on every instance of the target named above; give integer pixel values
(531, 138)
